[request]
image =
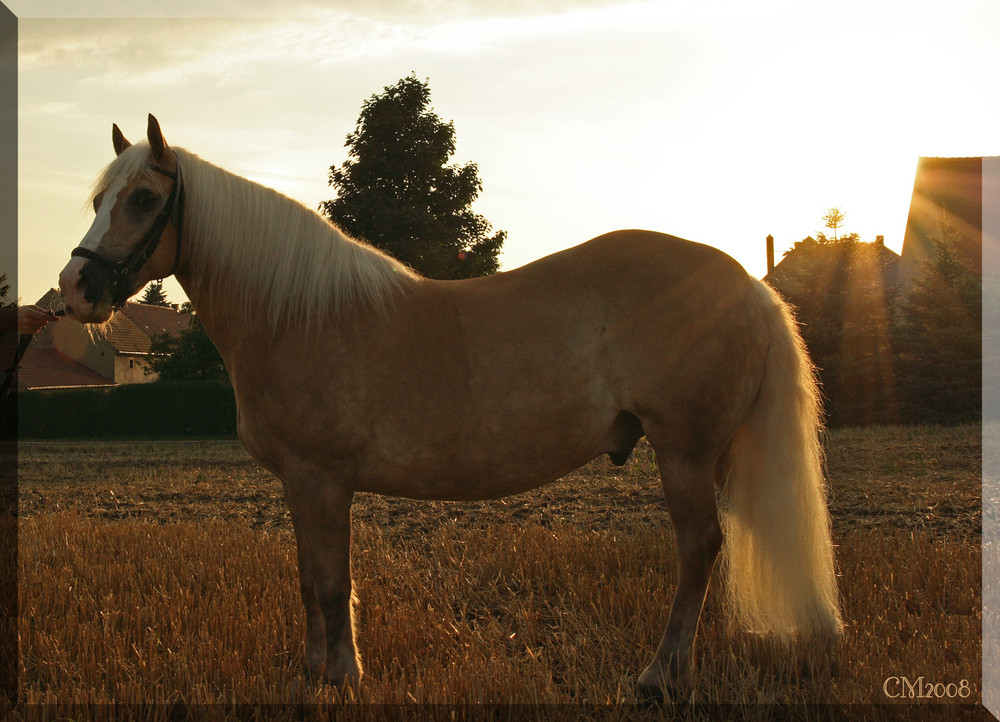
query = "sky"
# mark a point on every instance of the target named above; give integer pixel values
(720, 121)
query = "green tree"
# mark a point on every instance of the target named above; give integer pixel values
(187, 356)
(154, 295)
(396, 191)
(939, 336)
(4, 290)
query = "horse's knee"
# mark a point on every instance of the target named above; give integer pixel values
(336, 606)
(713, 538)
(698, 545)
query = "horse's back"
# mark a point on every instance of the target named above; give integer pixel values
(629, 256)
(658, 326)
(610, 277)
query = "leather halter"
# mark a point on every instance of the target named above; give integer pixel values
(121, 287)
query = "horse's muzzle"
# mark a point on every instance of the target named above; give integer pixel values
(86, 291)
(95, 280)
(103, 285)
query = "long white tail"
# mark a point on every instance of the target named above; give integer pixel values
(778, 554)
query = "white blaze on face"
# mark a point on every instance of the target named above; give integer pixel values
(102, 222)
(69, 279)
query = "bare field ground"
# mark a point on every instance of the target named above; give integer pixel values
(165, 573)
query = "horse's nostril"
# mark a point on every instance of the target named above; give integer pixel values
(82, 284)
(93, 282)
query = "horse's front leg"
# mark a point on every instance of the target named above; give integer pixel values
(321, 515)
(315, 659)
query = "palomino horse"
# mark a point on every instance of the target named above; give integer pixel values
(352, 373)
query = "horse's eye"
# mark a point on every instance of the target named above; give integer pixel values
(143, 199)
(97, 201)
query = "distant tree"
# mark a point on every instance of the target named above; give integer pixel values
(187, 356)
(833, 220)
(939, 336)
(397, 192)
(154, 295)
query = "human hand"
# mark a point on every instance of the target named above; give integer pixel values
(31, 319)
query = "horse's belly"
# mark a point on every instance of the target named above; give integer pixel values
(488, 471)
(462, 486)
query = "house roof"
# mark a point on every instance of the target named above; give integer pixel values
(130, 329)
(951, 189)
(44, 368)
(809, 254)
(52, 300)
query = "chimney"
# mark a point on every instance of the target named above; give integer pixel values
(880, 241)
(770, 254)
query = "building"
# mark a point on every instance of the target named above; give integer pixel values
(946, 192)
(67, 354)
(850, 261)
(875, 364)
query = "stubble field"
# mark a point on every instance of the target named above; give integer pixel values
(163, 575)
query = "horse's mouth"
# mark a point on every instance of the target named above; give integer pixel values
(97, 315)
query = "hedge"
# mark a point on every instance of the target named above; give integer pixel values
(132, 411)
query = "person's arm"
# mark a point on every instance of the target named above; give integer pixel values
(27, 319)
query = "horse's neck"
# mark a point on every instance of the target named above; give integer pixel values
(241, 330)
(332, 280)
(219, 297)
(248, 240)
(219, 314)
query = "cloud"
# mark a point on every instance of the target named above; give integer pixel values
(95, 46)
(54, 107)
(149, 52)
(274, 9)
(152, 52)
(176, 9)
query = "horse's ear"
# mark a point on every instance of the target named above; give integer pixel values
(118, 139)
(155, 137)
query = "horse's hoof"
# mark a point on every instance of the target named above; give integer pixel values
(657, 682)
(339, 676)
(312, 677)
(650, 696)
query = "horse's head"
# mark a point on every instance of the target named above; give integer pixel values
(136, 234)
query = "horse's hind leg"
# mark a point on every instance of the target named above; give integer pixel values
(689, 492)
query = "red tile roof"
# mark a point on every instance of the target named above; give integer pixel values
(43, 368)
(131, 328)
(128, 333)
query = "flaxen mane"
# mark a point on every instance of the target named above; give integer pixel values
(282, 258)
